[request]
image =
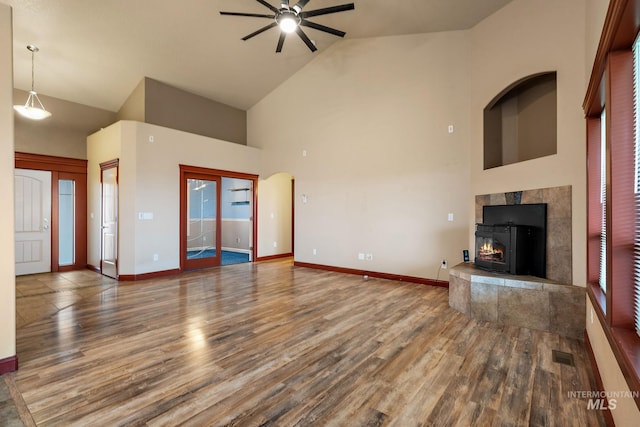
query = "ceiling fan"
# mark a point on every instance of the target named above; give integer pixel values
(291, 18)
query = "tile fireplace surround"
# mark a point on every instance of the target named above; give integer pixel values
(550, 304)
(524, 301)
(559, 223)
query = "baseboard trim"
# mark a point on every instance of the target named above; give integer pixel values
(273, 257)
(608, 417)
(93, 268)
(376, 274)
(10, 364)
(145, 276)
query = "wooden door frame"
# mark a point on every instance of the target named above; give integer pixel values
(63, 168)
(207, 172)
(110, 164)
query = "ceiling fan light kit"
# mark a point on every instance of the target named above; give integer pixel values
(33, 108)
(290, 19)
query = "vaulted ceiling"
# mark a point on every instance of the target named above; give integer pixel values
(95, 52)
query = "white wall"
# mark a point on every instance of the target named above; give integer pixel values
(381, 171)
(150, 182)
(521, 39)
(7, 260)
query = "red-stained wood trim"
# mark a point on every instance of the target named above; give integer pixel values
(194, 264)
(63, 168)
(620, 27)
(219, 172)
(54, 223)
(145, 276)
(93, 268)
(610, 87)
(114, 163)
(50, 163)
(293, 215)
(596, 373)
(187, 171)
(274, 257)
(110, 164)
(376, 274)
(9, 364)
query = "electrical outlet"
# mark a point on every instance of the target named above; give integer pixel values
(444, 264)
(369, 257)
(155, 257)
(361, 256)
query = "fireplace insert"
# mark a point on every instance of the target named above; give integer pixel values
(504, 248)
(513, 239)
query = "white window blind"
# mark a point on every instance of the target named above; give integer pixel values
(603, 201)
(636, 127)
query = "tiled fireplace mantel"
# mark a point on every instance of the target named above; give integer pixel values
(524, 301)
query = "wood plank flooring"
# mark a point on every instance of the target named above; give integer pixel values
(272, 344)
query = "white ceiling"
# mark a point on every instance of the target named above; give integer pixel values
(95, 52)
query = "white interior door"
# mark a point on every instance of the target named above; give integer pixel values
(32, 221)
(109, 261)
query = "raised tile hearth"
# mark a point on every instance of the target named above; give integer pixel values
(524, 301)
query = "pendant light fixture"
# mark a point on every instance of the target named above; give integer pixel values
(33, 108)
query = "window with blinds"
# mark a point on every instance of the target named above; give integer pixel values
(603, 201)
(636, 136)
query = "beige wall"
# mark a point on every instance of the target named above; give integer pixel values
(7, 260)
(237, 234)
(103, 146)
(381, 172)
(133, 107)
(63, 134)
(596, 12)
(626, 412)
(149, 182)
(521, 39)
(275, 215)
(160, 104)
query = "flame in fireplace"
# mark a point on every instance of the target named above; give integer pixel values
(489, 253)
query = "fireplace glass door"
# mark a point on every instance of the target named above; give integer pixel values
(490, 250)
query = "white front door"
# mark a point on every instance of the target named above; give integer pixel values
(32, 221)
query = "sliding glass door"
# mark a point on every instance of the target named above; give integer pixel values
(200, 220)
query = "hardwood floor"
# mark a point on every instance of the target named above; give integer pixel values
(270, 344)
(41, 295)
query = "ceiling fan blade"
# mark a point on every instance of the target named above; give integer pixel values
(327, 10)
(322, 28)
(261, 30)
(267, 5)
(253, 15)
(306, 40)
(284, 4)
(301, 4)
(283, 36)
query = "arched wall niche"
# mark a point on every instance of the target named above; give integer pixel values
(520, 123)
